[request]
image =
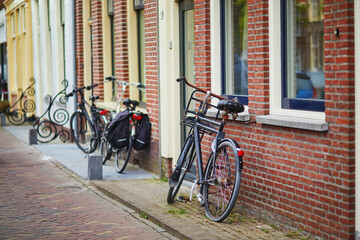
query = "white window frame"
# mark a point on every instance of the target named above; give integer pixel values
(215, 36)
(275, 68)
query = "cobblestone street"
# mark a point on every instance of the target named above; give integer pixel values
(40, 201)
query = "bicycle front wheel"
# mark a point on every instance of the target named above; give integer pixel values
(105, 150)
(184, 163)
(82, 135)
(222, 182)
(122, 157)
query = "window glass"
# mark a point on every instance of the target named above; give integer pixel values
(235, 47)
(303, 37)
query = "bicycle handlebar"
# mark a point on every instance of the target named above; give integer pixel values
(138, 85)
(80, 90)
(180, 79)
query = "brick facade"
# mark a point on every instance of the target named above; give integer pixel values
(79, 43)
(147, 159)
(302, 177)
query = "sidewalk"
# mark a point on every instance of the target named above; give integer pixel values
(146, 194)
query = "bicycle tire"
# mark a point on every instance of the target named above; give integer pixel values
(122, 157)
(189, 156)
(105, 150)
(221, 191)
(82, 135)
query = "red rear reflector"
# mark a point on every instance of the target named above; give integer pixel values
(240, 153)
(137, 117)
(103, 112)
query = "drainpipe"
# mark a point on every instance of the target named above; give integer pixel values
(357, 120)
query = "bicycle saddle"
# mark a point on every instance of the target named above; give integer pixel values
(230, 106)
(127, 102)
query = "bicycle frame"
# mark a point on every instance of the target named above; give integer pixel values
(201, 126)
(91, 121)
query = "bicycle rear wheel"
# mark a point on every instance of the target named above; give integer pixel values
(223, 183)
(122, 157)
(82, 135)
(185, 160)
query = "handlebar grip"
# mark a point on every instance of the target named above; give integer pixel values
(180, 79)
(91, 86)
(110, 78)
(141, 86)
(69, 95)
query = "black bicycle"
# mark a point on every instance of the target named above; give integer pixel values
(86, 130)
(219, 183)
(122, 155)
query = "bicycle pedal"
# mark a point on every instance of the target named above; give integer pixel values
(183, 199)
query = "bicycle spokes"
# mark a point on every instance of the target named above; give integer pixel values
(221, 182)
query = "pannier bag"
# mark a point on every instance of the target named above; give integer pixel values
(119, 130)
(142, 139)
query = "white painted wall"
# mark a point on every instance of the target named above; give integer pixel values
(48, 51)
(169, 89)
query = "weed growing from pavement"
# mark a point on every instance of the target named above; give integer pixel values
(164, 179)
(144, 215)
(296, 234)
(177, 211)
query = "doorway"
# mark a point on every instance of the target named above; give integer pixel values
(187, 63)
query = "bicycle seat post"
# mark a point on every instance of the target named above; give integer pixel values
(208, 93)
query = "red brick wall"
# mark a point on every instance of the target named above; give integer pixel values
(79, 43)
(97, 48)
(151, 79)
(202, 43)
(121, 45)
(302, 177)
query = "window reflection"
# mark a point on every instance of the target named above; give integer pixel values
(305, 49)
(236, 73)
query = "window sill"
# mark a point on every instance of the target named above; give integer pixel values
(110, 106)
(294, 122)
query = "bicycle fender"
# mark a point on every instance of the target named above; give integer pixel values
(240, 158)
(174, 178)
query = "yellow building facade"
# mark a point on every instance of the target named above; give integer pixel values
(19, 42)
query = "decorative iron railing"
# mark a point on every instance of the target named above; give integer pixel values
(52, 126)
(17, 114)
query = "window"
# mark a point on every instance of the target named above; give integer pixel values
(302, 55)
(112, 40)
(24, 10)
(141, 51)
(234, 49)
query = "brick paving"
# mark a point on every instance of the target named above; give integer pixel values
(39, 200)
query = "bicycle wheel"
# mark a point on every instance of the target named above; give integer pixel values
(184, 163)
(82, 135)
(105, 150)
(223, 183)
(122, 157)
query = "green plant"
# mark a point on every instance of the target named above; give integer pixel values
(294, 233)
(177, 211)
(144, 215)
(163, 179)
